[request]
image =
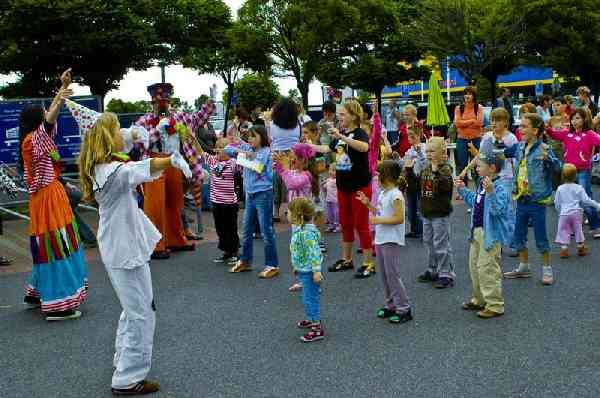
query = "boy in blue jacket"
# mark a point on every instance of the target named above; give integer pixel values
(489, 232)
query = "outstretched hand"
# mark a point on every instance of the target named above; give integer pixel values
(65, 93)
(66, 78)
(459, 183)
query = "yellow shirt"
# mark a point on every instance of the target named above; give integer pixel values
(523, 184)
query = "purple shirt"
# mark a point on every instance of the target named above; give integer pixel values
(478, 208)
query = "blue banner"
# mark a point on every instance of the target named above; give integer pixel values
(67, 140)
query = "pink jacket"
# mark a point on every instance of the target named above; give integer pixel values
(298, 183)
(579, 146)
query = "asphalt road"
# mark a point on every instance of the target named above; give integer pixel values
(222, 335)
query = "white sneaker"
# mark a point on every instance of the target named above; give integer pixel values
(547, 276)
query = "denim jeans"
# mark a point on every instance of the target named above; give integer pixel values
(526, 211)
(584, 178)
(462, 152)
(186, 221)
(311, 296)
(259, 209)
(413, 204)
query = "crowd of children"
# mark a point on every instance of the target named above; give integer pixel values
(336, 177)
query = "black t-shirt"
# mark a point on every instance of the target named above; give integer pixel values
(352, 166)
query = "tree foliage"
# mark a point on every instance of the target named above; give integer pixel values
(237, 48)
(255, 90)
(376, 50)
(299, 32)
(480, 37)
(116, 105)
(564, 35)
(101, 40)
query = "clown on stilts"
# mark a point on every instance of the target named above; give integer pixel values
(163, 198)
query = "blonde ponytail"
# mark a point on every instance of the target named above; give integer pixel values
(97, 148)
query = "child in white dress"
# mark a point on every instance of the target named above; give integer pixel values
(126, 240)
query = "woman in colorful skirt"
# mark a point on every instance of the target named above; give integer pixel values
(58, 282)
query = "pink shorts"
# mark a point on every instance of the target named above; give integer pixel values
(568, 225)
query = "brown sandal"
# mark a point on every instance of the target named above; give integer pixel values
(240, 267)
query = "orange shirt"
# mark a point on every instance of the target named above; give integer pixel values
(468, 124)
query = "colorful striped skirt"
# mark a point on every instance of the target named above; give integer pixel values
(59, 275)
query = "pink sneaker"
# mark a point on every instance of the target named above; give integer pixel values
(316, 333)
(305, 324)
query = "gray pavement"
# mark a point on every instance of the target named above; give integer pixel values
(222, 335)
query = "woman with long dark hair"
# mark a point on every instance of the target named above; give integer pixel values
(58, 282)
(468, 119)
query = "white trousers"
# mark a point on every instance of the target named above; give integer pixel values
(135, 334)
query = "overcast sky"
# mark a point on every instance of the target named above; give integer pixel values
(188, 84)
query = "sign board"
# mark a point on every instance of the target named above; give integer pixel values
(68, 140)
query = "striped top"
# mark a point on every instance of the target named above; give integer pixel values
(36, 151)
(193, 121)
(222, 186)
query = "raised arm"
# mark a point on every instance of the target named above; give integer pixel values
(320, 148)
(357, 145)
(557, 134)
(63, 93)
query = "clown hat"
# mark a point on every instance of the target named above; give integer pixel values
(85, 117)
(161, 91)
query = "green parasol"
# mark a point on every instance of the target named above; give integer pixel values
(437, 113)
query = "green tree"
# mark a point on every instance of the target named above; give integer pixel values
(364, 96)
(119, 106)
(480, 37)
(237, 48)
(300, 32)
(257, 89)
(100, 40)
(563, 35)
(293, 93)
(377, 50)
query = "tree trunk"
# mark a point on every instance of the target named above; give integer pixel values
(100, 90)
(493, 88)
(492, 77)
(303, 88)
(378, 98)
(230, 89)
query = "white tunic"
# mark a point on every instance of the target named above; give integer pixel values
(385, 208)
(126, 237)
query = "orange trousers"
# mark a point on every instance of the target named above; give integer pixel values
(163, 204)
